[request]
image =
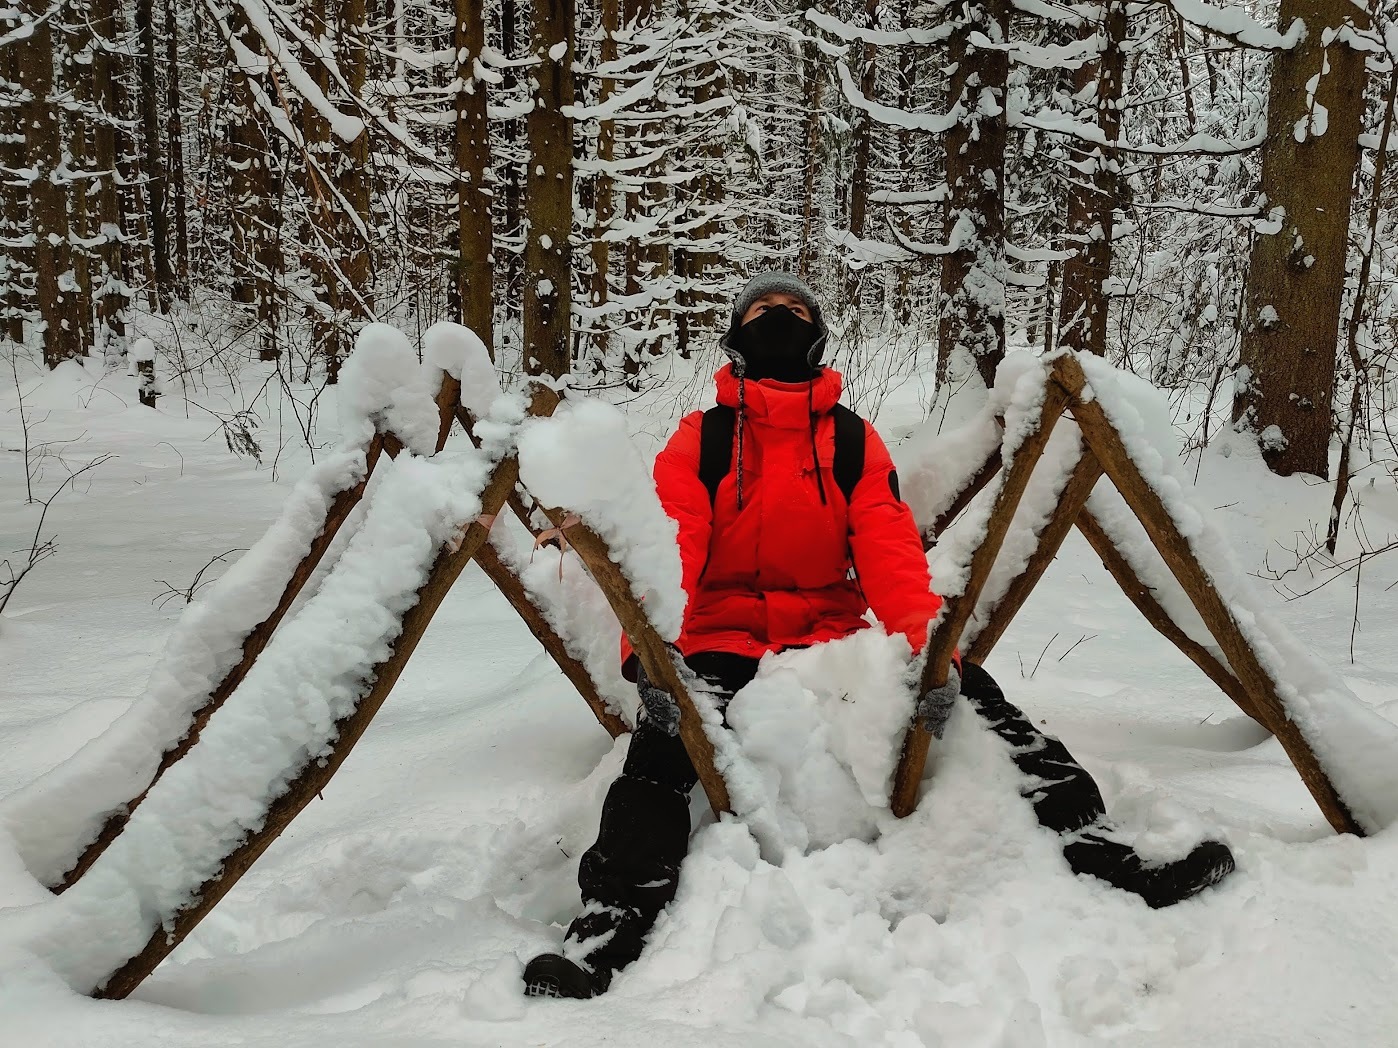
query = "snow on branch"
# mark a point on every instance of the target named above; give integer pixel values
(1235, 24)
(1059, 123)
(860, 252)
(882, 37)
(887, 115)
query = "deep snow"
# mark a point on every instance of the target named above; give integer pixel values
(395, 911)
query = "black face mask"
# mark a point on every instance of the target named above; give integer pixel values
(777, 344)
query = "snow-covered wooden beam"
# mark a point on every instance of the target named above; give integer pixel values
(657, 658)
(307, 781)
(1175, 549)
(958, 608)
(336, 513)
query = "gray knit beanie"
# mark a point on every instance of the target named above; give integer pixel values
(776, 282)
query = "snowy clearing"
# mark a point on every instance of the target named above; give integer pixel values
(396, 910)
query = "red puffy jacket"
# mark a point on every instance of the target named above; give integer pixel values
(776, 573)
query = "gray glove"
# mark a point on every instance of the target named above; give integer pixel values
(934, 707)
(661, 709)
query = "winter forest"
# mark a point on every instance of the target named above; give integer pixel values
(297, 297)
(1197, 192)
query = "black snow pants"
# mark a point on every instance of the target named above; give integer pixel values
(632, 872)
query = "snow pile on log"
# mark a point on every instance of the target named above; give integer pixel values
(310, 677)
(51, 820)
(382, 379)
(583, 460)
(458, 351)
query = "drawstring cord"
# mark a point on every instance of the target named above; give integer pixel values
(742, 414)
(815, 454)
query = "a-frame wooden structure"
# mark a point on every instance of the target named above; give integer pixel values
(1244, 678)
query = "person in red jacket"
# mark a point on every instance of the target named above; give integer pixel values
(776, 555)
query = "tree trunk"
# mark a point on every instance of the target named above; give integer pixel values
(112, 297)
(549, 190)
(605, 194)
(322, 240)
(153, 167)
(863, 147)
(475, 280)
(174, 151)
(76, 71)
(353, 177)
(514, 133)
(14, 201)
(1093, 196)
(972, 315)
(1296, 273)
(55, 288)
(814, 80)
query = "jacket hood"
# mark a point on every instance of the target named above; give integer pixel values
(787, 405)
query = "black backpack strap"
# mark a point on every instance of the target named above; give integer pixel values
(716, 447)
(849, 449)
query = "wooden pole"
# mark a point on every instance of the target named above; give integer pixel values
(1070, 503)
(655, 655)
(1140, 595)
(315, 774)
(253, 646)
(1175, 548)
(957, 610)
(512, 588)
(978, 482)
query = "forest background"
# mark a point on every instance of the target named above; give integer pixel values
(584, 183)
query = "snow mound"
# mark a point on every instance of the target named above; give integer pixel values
(458, 351)
(382, 380)
(582, 459)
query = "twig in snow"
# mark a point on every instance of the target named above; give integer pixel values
(188, 592)
(1041, 658)
(1080, 640)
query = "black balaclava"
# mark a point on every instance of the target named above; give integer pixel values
(745, 346)
(777, 344)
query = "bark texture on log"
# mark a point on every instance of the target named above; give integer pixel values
(1141, 595)
(1070, 503)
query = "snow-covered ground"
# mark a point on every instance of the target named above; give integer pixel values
(395, 911)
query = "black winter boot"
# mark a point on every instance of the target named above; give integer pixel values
(1159, 884)
(553, 975)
